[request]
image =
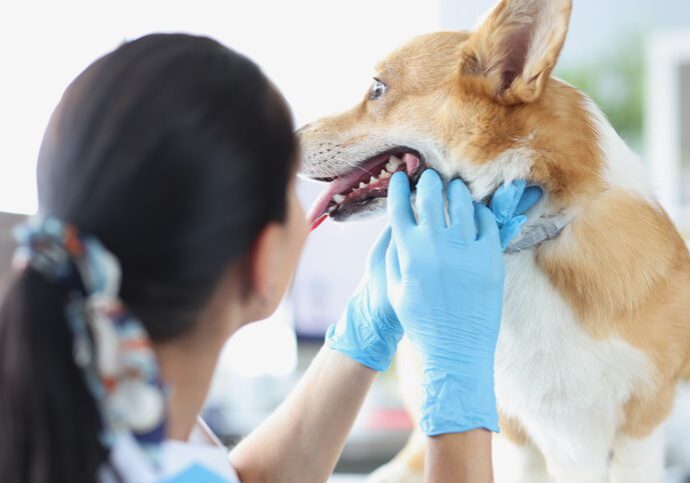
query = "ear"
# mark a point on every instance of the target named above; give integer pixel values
(517, 46)
(265, 261)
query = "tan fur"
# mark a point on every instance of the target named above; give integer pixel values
(567, 158)
(644, 412)
(513, 430)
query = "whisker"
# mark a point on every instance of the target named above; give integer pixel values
(366, 171)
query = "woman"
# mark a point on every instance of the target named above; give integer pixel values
(168, 220)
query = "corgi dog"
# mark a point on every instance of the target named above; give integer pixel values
(596, 325)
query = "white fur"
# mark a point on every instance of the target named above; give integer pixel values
(340, 155)
(639, 460)
(624, 169)
(517, 464)
(508, 166)
(571, 415)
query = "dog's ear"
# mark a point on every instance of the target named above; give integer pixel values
(517, 46)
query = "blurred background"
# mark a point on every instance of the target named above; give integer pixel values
(631, 56)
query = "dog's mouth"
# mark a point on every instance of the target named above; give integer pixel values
(351, 192)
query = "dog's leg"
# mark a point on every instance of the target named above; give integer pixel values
(639, 450)
(584, 458)
(639, 460)
(594, 471)
(515, 463)
(576, 445)
(515, 458)
(583, 467)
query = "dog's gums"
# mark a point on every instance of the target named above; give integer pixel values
(349, 192)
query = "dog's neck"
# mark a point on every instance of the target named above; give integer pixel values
(622, 170)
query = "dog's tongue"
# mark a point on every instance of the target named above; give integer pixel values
(317, 213)
(319, 210)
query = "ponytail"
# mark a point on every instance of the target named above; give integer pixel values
(49, 422)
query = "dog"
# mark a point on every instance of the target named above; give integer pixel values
(596, 326)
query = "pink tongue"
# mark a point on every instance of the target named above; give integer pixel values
(335, 187)
(411, 163)
(318, 222)
(317, 213)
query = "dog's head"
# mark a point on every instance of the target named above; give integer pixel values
(480, 105)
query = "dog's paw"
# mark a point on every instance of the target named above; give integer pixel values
(395, 473)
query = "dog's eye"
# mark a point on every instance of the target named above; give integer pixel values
(378, 89)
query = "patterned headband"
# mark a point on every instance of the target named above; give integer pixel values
(110, 345)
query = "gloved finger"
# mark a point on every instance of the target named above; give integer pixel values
(510, 230)
(393, 272)
(487, 228)
(377, 256)
(461, 210)
(505, 200)
(530, 197)
(399, 208)
(429, 199)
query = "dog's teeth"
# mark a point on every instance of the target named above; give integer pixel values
(386, 175)
(362, 185)
(372, 180)
(339, 198)
(383, 171)
(393, 165)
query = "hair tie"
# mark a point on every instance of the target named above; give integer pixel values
(109, 343)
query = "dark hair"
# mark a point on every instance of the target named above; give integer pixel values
(174, 152)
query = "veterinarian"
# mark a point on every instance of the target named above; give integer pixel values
(168, 220)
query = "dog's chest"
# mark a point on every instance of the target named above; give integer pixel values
(546, 363)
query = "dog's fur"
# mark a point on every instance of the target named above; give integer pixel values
(596, 327)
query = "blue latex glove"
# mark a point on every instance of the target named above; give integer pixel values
(509, 204)
(446, 286)
(369, 331)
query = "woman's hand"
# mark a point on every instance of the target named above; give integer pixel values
(369, 331)
(509, 204)
(445, 283)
